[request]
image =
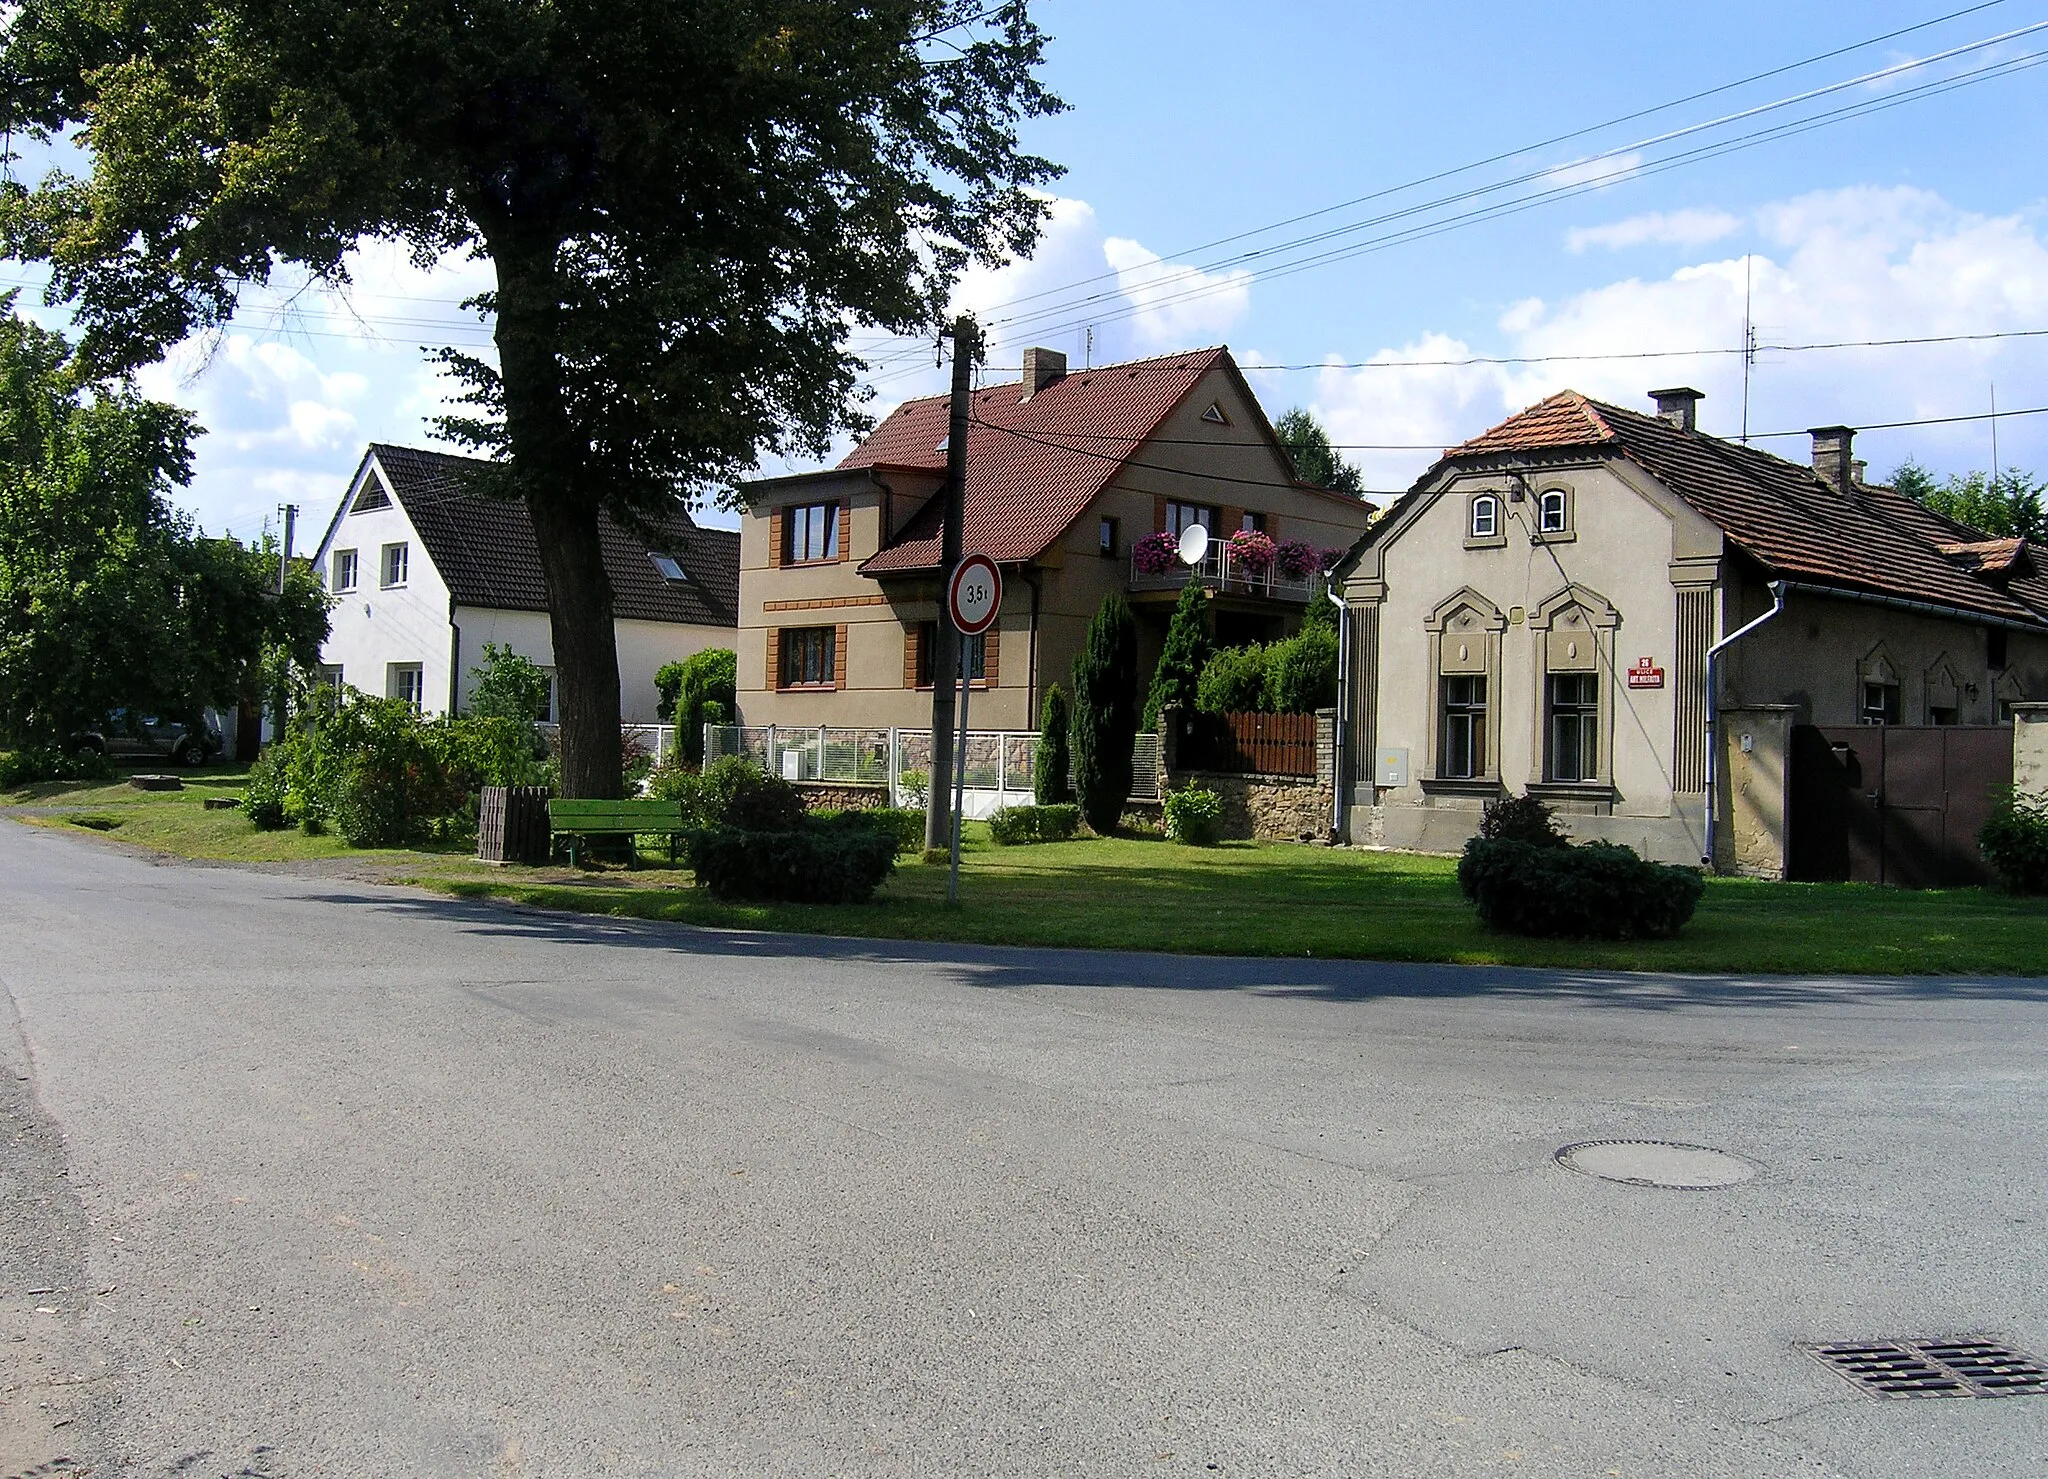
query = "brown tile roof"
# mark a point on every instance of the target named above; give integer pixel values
(485, 551)
(1781, 513)
(1029, 476)
(1989, 556)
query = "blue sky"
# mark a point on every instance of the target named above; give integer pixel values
(1196, 120)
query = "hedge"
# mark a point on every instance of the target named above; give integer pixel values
(1018, 824)
(2015, 842)
(1598, 890)
(822, 862)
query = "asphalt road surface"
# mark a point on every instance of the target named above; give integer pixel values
(322, 1178)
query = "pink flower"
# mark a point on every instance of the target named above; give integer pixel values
(1253, 550)
(1155, 554)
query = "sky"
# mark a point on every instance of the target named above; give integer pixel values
(1917, 213)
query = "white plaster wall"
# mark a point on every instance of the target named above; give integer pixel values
(371, 627)
(645, 647)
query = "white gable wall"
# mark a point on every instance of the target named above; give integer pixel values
(645, 647)
(372, 627)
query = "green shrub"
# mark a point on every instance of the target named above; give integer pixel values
(917, 785)
(822, 862)
(2015, 842)
(1194, 815)
(32, 766)
(1301, 673)
(1178, 676)
(1105, 718)
(1233, 682)
(1049, 761)
(508, 686)
(702, 689)
(1019, 824)
(735, 792)
(1599, 890)
(1521, 819)
(263, 797)
(899, 822)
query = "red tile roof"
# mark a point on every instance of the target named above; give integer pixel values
(1782, 513)
(1033, 466)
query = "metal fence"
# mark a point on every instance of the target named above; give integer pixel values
(997, 763)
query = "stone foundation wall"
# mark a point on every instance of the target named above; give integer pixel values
(842, 795)
(1270, 808)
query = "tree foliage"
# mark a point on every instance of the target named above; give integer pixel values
(1315, 460)
(108, 595)
(688, 206)
(508, 686)
(2008, 506)
(1182, 659)
(1049, 785)
(1105, 718)
(701, 689)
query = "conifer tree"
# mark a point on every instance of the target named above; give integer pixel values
(1181, 661)
(1105, 713)
(1049, 763)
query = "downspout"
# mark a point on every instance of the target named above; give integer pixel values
(1778, 590)
(1035, 580)
(454, 660)
(1337, 776)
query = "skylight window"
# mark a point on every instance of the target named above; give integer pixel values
(670, 568)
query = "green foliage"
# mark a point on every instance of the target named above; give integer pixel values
(30, 767)
(1234, 681)
(1194, 815)
(1105, 719)
(1011, 825)
(702, 689)
(2006, 507)
(1524, 818)
(508, 686)
(841, 861)
(2015, 842)
(899, 822)
(731, 791)
(1599, 890)
(1301, 672)
(1181, 660)
(917, 785)
(1315, 460)
(1049, 761)
(265, 793)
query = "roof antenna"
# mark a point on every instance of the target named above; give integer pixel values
(1994, 437)
(1748, 344)
(1088, 354)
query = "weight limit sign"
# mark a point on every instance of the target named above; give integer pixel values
(975, 595)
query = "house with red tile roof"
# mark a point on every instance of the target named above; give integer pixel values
(1068, 473)
(1536, 613)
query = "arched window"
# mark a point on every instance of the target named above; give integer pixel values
(1552, 516)
(1485, 516)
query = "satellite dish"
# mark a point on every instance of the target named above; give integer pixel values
(1194, 543)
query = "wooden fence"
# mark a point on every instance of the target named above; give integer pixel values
(1267, 744)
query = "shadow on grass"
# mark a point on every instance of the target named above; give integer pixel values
(1000, 967)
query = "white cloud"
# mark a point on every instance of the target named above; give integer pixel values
(1843, 265)
(1179, 306)
(1673, 228)
(1604, 169)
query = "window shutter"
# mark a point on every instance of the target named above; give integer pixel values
(777, 548)
(845, 531)
(991, 649)
(913, 637)
(839, 644)
(1273, 527)
(1159, 514)
(774, 658)
(1232, 519)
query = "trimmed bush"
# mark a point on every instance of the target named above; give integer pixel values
(31, 766)
(702, 689)
(1020, 824)
(1233, 681)
(1599, 890)
(899, 822)
(1049, 760)
(2015, 842)
(841, 861)
(1194, 815)
(1179, 675)
(1521, 819)
(1301, 673)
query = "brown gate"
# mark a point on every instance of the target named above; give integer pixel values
(1888, 804)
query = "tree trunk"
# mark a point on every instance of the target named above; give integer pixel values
(552, 474)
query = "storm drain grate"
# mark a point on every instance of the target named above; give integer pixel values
(1934, 1368)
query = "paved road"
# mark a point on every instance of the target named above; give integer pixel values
(377, 1183)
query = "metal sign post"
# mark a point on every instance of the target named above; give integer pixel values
(974, 597)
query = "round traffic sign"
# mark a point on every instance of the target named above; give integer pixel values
(975, 595)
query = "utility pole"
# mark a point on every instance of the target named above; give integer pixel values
(281, 700)
(946, 645)
(291, 521)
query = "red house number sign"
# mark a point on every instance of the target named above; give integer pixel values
(1645, 674)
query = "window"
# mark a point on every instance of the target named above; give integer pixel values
(1180, 517)
(1464, 749)
(396, 558)
(1552, 514)
(1215, 416)
(330, 678)
(807, 657)
(1936, 714)
(1994, 648)
(406, 682)
(547, 711)
(372, 498)
(810, 532)
(927, 649)
(1880, 704)
(1252, 521)
(344, 570)
(1105, 537)
(1574, 726)
(670, 567)
(1485, 516)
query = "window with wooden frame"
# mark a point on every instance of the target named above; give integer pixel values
(809, 657)
(1180, 517)
(1553, 512)
(1252, 522)
(925, 645)
(1574, 703)
(1106, 538)
(1463, 701)
(1485, 517)
(810, 533)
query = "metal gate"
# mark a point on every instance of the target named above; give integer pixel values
(1896, 805)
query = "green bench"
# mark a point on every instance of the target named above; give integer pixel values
(579, 821)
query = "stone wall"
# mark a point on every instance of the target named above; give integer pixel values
(842, 795)
(1269, 808)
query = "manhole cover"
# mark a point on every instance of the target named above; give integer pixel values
(1964, 1367)
(1656, 1163)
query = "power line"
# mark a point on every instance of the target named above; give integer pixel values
(1179, 472)
(1923, 421)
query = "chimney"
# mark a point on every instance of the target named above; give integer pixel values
(1041, 368)
(1680, 406)
(1857, 470)
(1831, 459)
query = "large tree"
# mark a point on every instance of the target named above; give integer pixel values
(1315, 460)
(2007, 506)
(687, 204)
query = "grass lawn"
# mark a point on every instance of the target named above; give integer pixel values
(1142, 894)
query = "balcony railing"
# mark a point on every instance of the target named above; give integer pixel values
(1222, 572)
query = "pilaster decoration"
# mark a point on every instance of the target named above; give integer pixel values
(777, 549)
(1689, 690)
(774, 658)
(991, 654)
(913, 640)
(845, 530)
(1365, 691)
(839, 656)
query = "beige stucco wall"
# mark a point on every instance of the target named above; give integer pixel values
(1753, 801)
(2030, 749)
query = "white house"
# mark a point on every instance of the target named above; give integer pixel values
(425, 573)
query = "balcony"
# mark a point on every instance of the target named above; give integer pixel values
(1226, 576)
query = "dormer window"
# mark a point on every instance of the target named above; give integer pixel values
(670, 567)
(1485, 516)
(1552, 515)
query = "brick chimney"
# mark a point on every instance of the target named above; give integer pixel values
(1041, 368)
(1831, 455)
(1680, 406)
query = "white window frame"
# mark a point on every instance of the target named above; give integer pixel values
(355, 570)
(1558, 499)
(394, 565)
(402, 676)
(1487, 504)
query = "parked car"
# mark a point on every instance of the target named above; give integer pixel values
(126, 734)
